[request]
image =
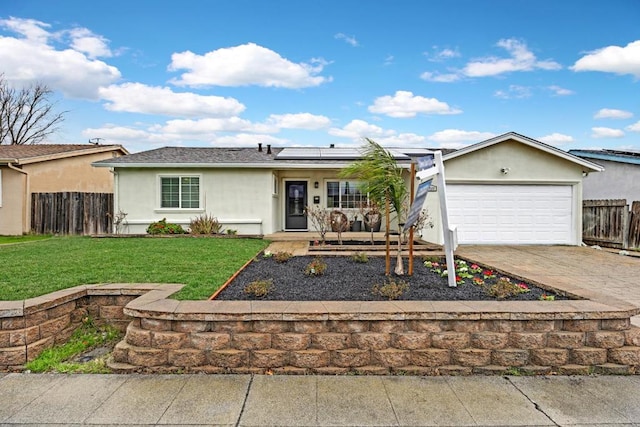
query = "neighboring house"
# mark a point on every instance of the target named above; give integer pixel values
(620, 178)
(509, 189)
(45, 168)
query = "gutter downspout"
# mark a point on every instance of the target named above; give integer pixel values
(26, 221)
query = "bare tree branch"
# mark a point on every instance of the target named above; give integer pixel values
(27, 116)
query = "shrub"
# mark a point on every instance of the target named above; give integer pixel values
(282, 257)
(317, 267)
(392, 289)
(205, 224)
(164, 227)
(360, 257)
(232, 232)
(504, 288)
(259, 288)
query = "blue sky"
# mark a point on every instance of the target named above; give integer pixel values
(146, 74)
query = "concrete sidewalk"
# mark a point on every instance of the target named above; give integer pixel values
(245, 400)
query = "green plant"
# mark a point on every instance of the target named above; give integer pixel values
(259, 288)
(317, 267)
(360, 257)
(505, 288)
(392, 289)
(205, 224)
(431, 259)
(232, 232)
(88, 336)
(164, 227)
(545, 297)
(282, 257)
(267, 254)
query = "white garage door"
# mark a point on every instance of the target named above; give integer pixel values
(511, 214)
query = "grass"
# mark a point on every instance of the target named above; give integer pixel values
(86, 337)
(202, 264)
(22, 239)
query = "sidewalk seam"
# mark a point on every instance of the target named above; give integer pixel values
(246, 397)
(535, 405)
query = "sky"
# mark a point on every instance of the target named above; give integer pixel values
(410, 73)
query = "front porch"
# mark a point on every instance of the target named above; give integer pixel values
(300, 243)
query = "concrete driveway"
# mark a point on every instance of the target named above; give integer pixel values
(566, 267)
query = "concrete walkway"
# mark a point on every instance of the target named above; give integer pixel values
(244, 400)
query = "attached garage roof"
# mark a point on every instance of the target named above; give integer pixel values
(585, 164)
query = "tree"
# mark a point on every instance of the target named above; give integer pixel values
(381, 178)
(27, 115)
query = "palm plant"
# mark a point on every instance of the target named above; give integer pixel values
(381, 178)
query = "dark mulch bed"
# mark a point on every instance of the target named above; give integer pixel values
(347, 280)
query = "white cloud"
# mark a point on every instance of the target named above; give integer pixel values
(140, 98)
(442, 54)
(456, 138)
(609, 113)
(358, 129)
(247, 140)
(612, 59)
(31, 29)
(30, 58)
(94, 46)
(348, 39)
(559, 91)
(403, 140)
(405, 104)
(601, 132)
(440, 77)
(522, 59)
(634, 127)
(245, 65)
(514, 91)
(556, 139)
(388, 60)
(299, 121)
(211, 125)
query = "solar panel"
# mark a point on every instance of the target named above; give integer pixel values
(316, 153)
(299, 154)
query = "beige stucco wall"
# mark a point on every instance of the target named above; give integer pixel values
(527, 165)
(70, 174)
(242, 199)
(13, 209)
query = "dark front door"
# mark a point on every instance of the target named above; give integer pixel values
(295, 204)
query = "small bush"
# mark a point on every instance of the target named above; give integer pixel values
(282, 257)
(231, 232)
(392, 289)
(432, 258)
(164, 227)
(360, 257)
(504, 288)
(259, 288)
(205, 224)
(317, 267)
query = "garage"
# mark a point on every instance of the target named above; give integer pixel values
(512, 214)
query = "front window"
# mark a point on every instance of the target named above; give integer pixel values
(180, 192)
(345, 195)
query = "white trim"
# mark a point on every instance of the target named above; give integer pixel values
(274, 165)
(527, 141)
(159, 207)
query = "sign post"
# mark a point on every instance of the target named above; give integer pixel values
(428, 167)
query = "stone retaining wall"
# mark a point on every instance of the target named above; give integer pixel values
(28, 327)
(425, 338)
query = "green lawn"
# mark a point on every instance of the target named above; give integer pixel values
(22, 239)
(202, 264)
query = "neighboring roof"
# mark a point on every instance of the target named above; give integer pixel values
(186, 157)
(589, 166)
(620, 156)
(24, 154)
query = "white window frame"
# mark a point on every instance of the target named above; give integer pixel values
(340, 201)
(160, 208)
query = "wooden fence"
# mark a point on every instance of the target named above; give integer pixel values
(71, 213)
(610, 223)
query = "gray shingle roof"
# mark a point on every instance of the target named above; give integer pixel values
(208, 156)
(24, 152)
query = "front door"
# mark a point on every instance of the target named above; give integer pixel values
(295, 203)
